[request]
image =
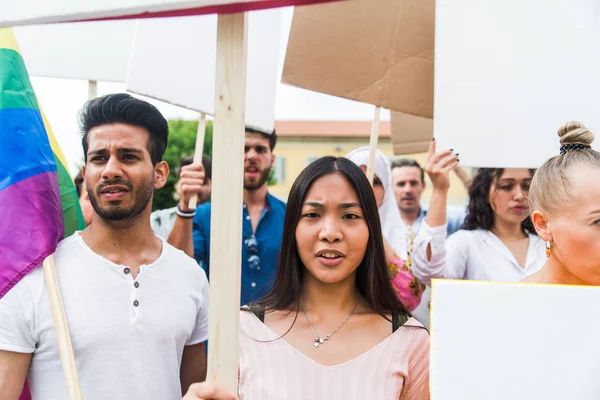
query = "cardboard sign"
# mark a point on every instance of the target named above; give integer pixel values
(30, 12)
(509, 73)
(174, 60)
(382, 55)
(411, 134)
(498, 341)
(97, 51)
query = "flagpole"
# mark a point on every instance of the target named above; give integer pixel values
(63, 336)
(373, 143)
(92, 89)
(200, 133)
(227, 199)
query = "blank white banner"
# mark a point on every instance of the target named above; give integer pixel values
(96, 51)
(508, 73)
(500, 341)
(174, 60)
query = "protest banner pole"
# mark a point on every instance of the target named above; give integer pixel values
(92, 89)
(63, 336)
(373, 143)
(199, 149)
(227, 199)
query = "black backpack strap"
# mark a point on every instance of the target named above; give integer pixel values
(399, 319)
(258, 310)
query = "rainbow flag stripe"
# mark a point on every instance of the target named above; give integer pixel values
(38, 200)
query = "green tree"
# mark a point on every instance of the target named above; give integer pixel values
(182, 142)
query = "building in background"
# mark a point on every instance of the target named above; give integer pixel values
(301, 142)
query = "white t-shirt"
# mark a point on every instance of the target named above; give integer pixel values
(128, 335)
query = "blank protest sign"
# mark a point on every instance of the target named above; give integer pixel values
(30, 12)
(499, 341)
(97, 51)
(508, 73)
(174, 60)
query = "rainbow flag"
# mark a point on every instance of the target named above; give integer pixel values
(38, 200)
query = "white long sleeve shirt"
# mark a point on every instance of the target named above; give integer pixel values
(472, 255)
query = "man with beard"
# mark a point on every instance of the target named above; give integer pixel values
(137, 308)
(408, 182)
(262, 225)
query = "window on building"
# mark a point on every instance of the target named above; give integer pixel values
(279, 169)
(310, 159)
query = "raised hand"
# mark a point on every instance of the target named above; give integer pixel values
(191, 179)
(439, 165)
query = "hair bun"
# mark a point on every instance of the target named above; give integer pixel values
(575, 132)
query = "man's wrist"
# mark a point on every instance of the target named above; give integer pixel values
(185, 213)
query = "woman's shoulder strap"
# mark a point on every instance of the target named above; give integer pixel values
(399, 319)
(258, 310)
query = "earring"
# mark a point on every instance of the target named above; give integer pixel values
(547, 248)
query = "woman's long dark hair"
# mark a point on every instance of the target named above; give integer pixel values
(372, 276)
(480, 214)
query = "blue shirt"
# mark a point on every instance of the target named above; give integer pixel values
(257, 280)
(455, 218)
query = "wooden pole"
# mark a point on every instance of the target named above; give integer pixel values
(200, 133)
(227, 200)
(92, 89)
(67, 356)
(373, 143)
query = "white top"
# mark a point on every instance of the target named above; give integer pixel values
(162, 221)
(473, 255)
(128, 335)
(272, 369)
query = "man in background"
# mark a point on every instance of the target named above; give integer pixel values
(262, 223)
(408, 182)
(84, 200)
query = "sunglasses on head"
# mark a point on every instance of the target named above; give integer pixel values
(252, 245)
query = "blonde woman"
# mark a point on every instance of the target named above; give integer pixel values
(565, 199)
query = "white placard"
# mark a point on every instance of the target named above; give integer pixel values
(30, 12)
(509, 73)
(97, 51)
(499, 341)
(174, 60)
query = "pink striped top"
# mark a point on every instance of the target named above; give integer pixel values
(396, 368)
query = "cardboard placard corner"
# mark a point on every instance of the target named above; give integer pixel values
(378, 55)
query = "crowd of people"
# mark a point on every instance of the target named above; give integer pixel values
(334, 284)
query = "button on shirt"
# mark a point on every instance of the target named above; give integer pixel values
(256, 282)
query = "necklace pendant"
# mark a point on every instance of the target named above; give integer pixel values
(317, 342)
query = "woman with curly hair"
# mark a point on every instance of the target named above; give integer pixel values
(497, 241)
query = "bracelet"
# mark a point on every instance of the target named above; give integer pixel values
(185, 214)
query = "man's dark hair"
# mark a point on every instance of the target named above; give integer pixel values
(409, 162)
(206, 163)
(78, 183)
(271, 136)
(126, 109)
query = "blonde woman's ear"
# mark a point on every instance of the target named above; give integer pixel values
(541, 225)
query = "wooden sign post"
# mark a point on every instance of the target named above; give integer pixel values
(226, 220)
